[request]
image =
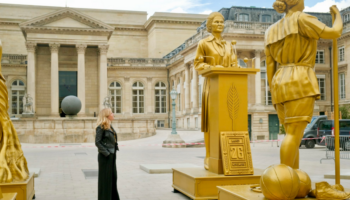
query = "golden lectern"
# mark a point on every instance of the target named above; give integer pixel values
(228, 111)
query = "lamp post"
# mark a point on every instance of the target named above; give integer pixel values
(173, 95)
(174, 140)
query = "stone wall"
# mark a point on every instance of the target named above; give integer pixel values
(61, 130)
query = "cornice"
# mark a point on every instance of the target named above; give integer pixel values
(129, 29)
(149, 24)
(13, 65)
(9, 23)
(136, 67)
(175, 63)
(63, 30)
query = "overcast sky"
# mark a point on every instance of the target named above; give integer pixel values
(178, 6)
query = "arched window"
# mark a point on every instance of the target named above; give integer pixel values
(138, 102)
(18, 91)
(178, 89)
(263, 63)
(115, 90)
(241, 63)
(160, 100)
(266, 18)
(243, 17)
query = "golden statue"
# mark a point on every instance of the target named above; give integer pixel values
(13, 164)
(292, 43)
(212, 52)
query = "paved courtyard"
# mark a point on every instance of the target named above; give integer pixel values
(62, 164)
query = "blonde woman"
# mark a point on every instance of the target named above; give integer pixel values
(107, 145)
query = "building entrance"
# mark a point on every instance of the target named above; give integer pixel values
(67, 86)
(274, 126)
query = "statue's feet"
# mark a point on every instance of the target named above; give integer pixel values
(206, 163)
(326, 192)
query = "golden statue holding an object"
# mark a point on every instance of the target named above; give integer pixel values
(13, 164)
(292, 43)
(212, 52)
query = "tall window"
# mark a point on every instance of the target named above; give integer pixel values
(342, 86)
(320, 56)
(321, 85)
(265, 93)
(160, 90)
(266, 18)
(243, 17)
(18, 91)
(341, 54)
(263, 63)
(138, 104)
(200, 91)
(115, 90)
(241, 63)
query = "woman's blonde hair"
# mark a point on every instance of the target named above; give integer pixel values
(211, 18)
(281, 5)
(103, 120)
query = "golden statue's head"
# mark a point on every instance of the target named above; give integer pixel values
(282, 6)
(215, 22)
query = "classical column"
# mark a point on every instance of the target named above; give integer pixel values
(103, 89)
(187, 89)
(257, 79)
(127, 96)
(195, 90)
(150, 94)
(31, 46)
(81, 76)
(54, 47)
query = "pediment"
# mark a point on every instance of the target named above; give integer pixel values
(67, 18)
(67, 22)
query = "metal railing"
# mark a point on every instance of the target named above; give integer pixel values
(344, 144)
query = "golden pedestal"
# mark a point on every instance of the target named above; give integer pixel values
(198, 183)
(242, 192)
(226, 84)
(24, 190)
(9, 196)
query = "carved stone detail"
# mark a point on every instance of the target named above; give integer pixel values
(126, 78)
(81, 48)
(31, 46)
(103, 48)
(54, 47)
(149, 78)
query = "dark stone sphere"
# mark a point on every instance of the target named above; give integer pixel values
(71, 105)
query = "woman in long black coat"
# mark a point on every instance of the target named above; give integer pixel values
(107, 144)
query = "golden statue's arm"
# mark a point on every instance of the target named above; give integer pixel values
(199, 61)
(270, 66)
(336, 30)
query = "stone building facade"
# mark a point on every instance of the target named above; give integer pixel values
(52, 52)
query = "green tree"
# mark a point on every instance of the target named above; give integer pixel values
(282, 130)
(345, 111)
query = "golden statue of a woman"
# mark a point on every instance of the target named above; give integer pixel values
(13, 164)
(212, 52)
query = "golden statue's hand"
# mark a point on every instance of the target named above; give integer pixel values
(206, 67)
(334, 10)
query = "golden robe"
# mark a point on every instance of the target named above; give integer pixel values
(211, 52)
(292, 43)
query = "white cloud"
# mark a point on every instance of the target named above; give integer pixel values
(206, 12)
(150, 6)
(324, 6)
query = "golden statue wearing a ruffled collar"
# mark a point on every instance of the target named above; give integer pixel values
(212, 52)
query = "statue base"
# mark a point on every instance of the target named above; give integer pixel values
(243, 192)
(9, 196)
(198, 183)
(25, 189)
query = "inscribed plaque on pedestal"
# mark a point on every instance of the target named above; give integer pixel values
(236, 153)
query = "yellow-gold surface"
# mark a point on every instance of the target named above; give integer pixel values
(13, 165)
(236, 153)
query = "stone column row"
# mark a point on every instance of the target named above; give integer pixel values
(31, 47)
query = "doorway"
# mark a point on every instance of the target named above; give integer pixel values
(250, 126)
(67, 86)
(274, 126)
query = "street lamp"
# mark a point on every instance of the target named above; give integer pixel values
(174, 140)
(173, 95)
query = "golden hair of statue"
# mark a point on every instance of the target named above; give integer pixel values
(292, 43)
(212, 52)
(13, 164)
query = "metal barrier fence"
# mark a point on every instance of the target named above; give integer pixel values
(344, 144)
